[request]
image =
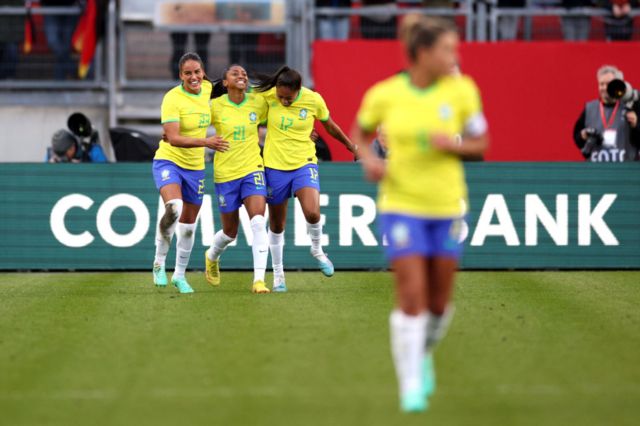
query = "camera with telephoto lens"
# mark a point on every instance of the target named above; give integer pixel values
(85, 134)
(621, 90)
(594, 139)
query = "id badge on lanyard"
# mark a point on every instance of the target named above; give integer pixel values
(609, 135)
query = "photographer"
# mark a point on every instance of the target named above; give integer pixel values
(607, 130)
(79, 144)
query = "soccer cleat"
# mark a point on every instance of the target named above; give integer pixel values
(429, 376)
(260, 287)
(326, 267)
(324, 264)
(212, 270)
(182, 285)
(413, 402)
(159, 276)
(279, 286)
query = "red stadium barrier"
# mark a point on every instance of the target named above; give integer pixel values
(532, 92)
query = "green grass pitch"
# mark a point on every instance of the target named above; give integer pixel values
(525, 348)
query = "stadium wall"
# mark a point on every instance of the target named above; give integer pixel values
(533, 93)
(522, 215)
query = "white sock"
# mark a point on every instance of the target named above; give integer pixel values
(408, 334)
(166, 228)
(220, 243)
(276, 246)
(260, 247)
(437, 326)
(186, 238)
(315, 232)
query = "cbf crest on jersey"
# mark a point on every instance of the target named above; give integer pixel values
(445, 112)
(303, 114)
(253, 117)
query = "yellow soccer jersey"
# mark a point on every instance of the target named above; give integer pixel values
(421, 180)
(238, 124)
(288, 145)
(193, 114)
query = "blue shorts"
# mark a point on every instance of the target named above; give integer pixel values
(191, 181)
(409, 235)
(231, 194)
(283, 184)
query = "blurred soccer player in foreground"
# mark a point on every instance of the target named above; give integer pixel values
(422, 190)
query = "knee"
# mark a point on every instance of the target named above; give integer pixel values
(230, 231)
(172, 210)
(258, 222)
(312, 217)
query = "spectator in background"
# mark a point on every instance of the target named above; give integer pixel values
(378, 26)
(619, 24)
(179, 45)
(607, 131)
(508, 25)
(576, 28)
(59, 30)
(11, 35)
(333, 27)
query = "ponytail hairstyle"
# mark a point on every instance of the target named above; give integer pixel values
(419, 31)
(193, 56)
(284, 77)
(218, 87)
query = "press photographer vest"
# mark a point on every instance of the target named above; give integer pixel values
(623, 151)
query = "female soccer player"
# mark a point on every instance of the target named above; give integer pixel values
(239, 172)
(421, 192)
(178, 166)
(291, 164)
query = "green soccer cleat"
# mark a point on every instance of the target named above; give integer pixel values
(182, 285)
(159, 276)
(428, 376)
(413, 402)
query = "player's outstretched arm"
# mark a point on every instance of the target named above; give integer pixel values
(334, 130)
(373, 166)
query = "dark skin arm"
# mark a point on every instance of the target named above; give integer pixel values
(334, 130)
(374, 167)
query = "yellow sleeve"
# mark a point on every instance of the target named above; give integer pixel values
(471, 103)
(169, 111)
(322, 112)
(371, 110)
(472, 118)
(263, 109)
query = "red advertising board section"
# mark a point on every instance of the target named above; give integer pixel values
(532, 93)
